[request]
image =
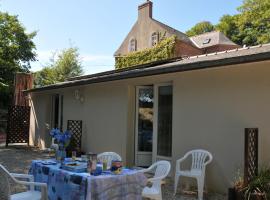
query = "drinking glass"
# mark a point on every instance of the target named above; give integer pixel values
(73, 153)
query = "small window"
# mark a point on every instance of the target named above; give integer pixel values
(207, 41)
(132, 45)
(154, 39)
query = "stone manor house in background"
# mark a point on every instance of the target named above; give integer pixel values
(147, 32)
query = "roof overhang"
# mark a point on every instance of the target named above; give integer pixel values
(220, 59)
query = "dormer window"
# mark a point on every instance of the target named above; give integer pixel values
(132, 45)
(207, 41)
(154, 39)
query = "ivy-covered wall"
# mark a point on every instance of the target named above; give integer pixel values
(162, 51)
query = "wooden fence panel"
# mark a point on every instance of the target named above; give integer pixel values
(18, 124)
(251, 154)
(75, 127)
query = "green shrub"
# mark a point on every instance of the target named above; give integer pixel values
(162, 51)
(259, 184)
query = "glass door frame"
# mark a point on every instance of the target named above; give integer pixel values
(143, 153)
(155, 156)
(59, 111)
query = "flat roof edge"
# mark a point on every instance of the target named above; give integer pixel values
(159, 69)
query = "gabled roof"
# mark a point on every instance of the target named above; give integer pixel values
(181, 36)
(211, 39)
(218, 59)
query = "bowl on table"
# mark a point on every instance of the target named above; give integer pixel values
(116, 166)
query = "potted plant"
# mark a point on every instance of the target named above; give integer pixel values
(63, 140)
(235, 192)
(259, 186)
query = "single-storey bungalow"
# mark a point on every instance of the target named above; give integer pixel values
(162, 110)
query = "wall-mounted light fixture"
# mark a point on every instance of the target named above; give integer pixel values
(78, 96)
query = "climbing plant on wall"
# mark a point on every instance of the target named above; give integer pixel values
(162, 51)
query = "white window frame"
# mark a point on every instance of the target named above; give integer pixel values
(132, 47)
(151, 39)
(155, 124)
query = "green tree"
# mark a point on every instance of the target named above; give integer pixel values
(46, 76)
(251, 26)
(200, 28)
(228, 25)
(16, 52)
(67, 65)
(254, 21)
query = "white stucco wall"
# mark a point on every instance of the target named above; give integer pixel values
(40, 119)
(211, 108)
(104, 115)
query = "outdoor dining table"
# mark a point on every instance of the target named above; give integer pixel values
(65, 185)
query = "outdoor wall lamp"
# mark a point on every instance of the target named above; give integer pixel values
(78, 96)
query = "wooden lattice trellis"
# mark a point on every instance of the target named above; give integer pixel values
(75, 127)
(251, 154)
(18, 124)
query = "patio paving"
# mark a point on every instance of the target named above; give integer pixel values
(17, 159)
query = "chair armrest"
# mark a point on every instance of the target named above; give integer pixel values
(179, 161)
(147, 169)
(143, 170)
(24, 176)
(155, 179)
(209, 160)
(43, 186)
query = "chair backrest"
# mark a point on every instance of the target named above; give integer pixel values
(200, 158)
(163, 168)
(109, 157)
(5, 180)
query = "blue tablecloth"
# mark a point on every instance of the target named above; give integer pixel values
(65, 185)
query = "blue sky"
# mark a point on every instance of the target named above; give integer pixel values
(97, 27)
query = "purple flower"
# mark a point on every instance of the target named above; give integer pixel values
(62, 138)
(54, 132)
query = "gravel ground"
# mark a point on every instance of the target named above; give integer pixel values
(17, 159)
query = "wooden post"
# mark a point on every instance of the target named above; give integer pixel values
(23, 81)
(251, 154)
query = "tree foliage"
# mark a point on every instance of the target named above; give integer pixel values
(16, 52)
(67, 65)
(251, 26)
(228, 25)
(254, 22)
(200, 28)
(162, 51)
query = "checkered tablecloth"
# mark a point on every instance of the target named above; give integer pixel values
(65, 185)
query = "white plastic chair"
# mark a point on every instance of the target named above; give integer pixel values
(162, 169)
(109, 157)
(6, 178)
(200, 158)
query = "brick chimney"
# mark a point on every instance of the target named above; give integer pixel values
(145, 10)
